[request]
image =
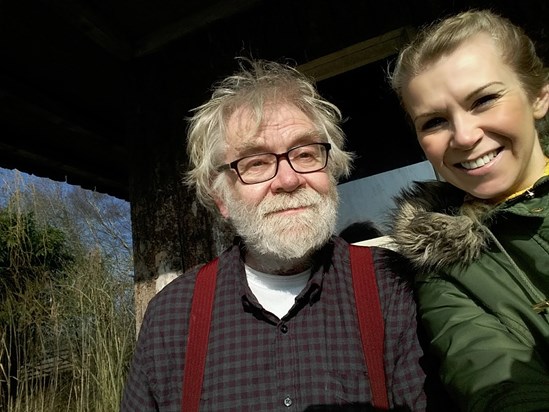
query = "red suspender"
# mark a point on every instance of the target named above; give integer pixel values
(369, 319)
(197, 341)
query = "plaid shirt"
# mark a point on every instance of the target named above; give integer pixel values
(311, 358)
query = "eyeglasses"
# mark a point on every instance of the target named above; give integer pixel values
(259, 168)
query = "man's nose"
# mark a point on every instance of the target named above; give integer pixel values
(286, 179)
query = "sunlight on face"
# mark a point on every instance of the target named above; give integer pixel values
(269, 230)
(293, 214)
(475, 123)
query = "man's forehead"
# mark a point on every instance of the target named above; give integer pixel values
(243, 124)
(246, 128)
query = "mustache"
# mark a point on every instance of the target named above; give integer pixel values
(294, 200)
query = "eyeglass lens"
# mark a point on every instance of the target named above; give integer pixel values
(302, 159)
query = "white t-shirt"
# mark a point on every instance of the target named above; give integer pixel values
(276, 293)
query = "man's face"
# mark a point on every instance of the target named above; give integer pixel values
(292, 214)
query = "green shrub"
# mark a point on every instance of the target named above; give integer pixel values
(67, 324)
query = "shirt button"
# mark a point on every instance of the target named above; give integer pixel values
(284, 328)
(536, 210)
(288, 401)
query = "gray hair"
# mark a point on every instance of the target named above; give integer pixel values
(255, 84)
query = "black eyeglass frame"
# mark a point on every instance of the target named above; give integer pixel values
(234, 164)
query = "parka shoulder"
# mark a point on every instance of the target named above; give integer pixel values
(433, 227)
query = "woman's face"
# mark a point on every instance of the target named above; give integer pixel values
(475, 122)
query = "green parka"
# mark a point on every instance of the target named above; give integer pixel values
(482, 280)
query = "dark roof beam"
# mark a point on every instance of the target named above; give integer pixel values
(190, 23)
(56, 113)
(92, 25)
(61, 171)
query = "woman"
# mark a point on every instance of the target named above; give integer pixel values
(478, 95)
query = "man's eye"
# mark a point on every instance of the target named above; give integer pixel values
(256, 163)
(305, 156)
(432, 123)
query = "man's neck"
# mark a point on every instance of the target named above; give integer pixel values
(276, 265)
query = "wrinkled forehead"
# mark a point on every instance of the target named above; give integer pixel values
(245, 125)
(244, 122)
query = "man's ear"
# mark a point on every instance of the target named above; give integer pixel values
(541, 104)
(223, 209)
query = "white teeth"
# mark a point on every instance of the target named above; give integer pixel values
(481, 161)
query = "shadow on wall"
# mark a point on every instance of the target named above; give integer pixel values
(359, 231)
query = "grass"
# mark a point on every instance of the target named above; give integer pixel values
(67, 325)
(82, 327)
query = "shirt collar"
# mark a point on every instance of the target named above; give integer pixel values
(311, 292)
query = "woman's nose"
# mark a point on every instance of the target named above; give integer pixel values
(466, 133)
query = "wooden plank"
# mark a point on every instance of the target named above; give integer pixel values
(357, 55)
(51, 365)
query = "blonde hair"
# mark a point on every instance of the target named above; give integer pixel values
(256, 83)
(445, 36)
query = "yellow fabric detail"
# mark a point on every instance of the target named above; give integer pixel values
(545, 173)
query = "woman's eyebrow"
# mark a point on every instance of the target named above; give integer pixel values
(481, 89)
(427, 114)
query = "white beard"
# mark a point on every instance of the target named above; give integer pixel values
(281, 241)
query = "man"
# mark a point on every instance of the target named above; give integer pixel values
(266, 152)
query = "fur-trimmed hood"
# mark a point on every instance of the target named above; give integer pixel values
(433, 228)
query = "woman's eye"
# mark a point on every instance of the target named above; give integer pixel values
(432, 123)
(489, 98)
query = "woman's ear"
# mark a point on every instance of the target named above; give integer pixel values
(541, 104)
